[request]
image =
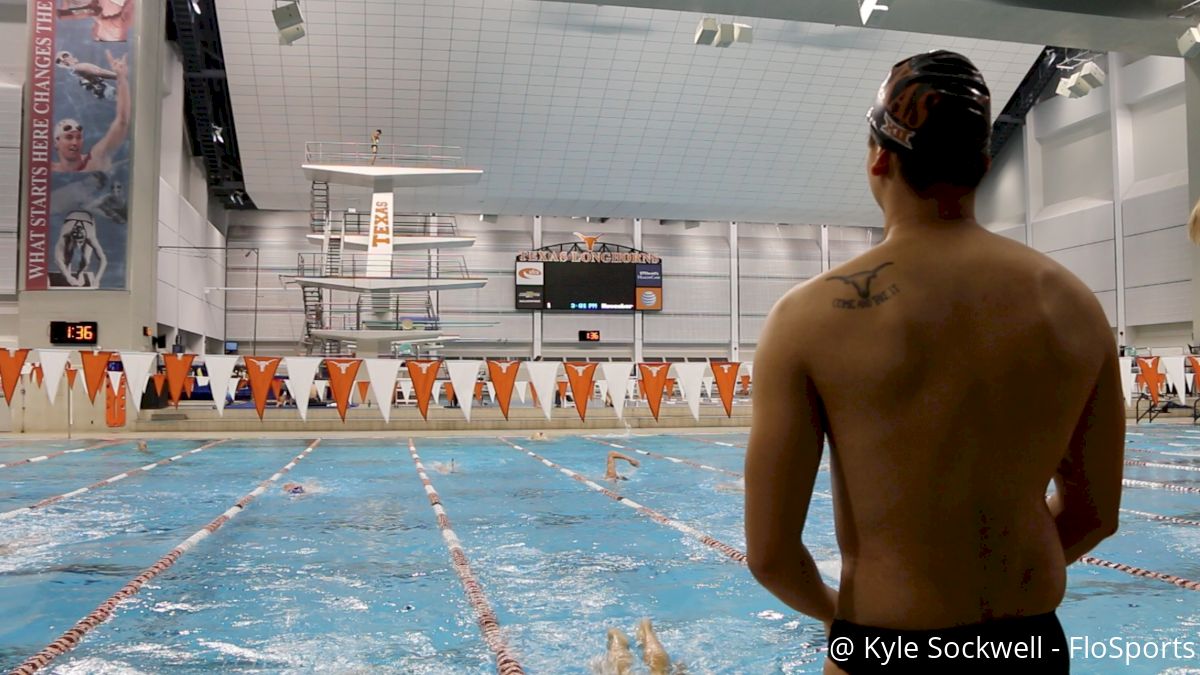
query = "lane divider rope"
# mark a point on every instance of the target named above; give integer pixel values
(60, 453)
(1165, 519)
(676, 460)
(485, 616)
(1160, 465)
(715, 544)
(102, 613)
(1127, 482)
(106, 482)
(1139, 572)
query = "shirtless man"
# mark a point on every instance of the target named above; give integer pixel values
(955, 373)
(610, 467)
(76, 248)
(68, 133)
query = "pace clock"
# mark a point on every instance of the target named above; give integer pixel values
(74, 333)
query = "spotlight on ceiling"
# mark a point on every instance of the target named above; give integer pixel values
(743, 33)
(1080, 83)
(288, 20)
(1092, 74)
(706, 32)
(866, 8)
(1189, 43)
(724, 35)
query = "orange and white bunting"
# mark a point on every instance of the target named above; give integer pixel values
(261, 371)
(689, 375)
(424, 374)
(616, 378)
(178, 367)
(38, 375)
(301, 371)
(542, 375)
(114, 380)
(277, 387)
(72, 371)
(463, 375)
(54, 363)
(11, 363)
(342, 373)
(1195, 361)
(137, 367)
(1150, 377)
(189, 384)
(653, 382)
(382, 374)
(160, 383)
(363, 387)
(95, 364)
(1176, 375)
(580, 376)
(725, 374)
(503, 375)
(220, 367)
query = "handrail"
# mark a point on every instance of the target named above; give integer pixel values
(403, 224)
(383, 154)
(398, 266)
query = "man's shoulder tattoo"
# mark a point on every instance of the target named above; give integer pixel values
(862, 282)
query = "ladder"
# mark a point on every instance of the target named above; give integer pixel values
(318, 205)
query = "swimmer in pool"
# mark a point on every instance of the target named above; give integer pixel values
(738, 485)
(610, 468)
(618, 658)
(293, 488)
(940, 506)
(142, 447)
(538, 436)
(444, 468)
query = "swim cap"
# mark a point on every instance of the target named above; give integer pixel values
(66, 126)
(932, 100)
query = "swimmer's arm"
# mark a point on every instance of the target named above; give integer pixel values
(1087, 497)
(60, 258)
(119, 128)
(784, 454)
(103, 259)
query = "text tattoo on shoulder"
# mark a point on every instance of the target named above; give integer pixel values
(865, 298)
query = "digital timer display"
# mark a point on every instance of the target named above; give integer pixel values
(74, 333)
(589, 336)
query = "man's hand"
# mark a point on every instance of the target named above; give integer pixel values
(118, 66)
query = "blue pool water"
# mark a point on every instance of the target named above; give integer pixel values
(354, 576)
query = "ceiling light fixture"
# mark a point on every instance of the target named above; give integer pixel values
(866, 8)
(712, 33)
(1080, 83)
(1189, 43)
(288, 20)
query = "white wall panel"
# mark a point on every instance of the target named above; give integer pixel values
(758, 296)
(1001, 196)
(1085, 223)
(1078, 163)
(1108, 301)
(1164, 303)
(1150, 76)
(1157, 210)
(1015, 232)
(566, 327)
(1159, 133)
(1093, 264)
(686, 329)
(1159, 257)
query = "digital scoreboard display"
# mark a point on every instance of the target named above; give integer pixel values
(74, 333)
(589, 336)
(621, 280)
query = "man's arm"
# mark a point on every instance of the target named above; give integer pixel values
(95, 243)
(103, 149)
(782, 460)
(60, 259)
(1087, 497)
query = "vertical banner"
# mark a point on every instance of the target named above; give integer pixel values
(503, 375)
(654, 381)
(342, 373)
(726, 375)
(1149, 376)
(379, 250)
(1126, 363)
(423, 374)
(1176, 376)
(80, 108)
(261, 371)
(580, 377)
(54, 364)
(363, 387)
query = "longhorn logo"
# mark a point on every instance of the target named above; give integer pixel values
(505, 366)
(579, 370)
(341, 366)
(423, 365)
(262, 365)
(725, 367)
(654, 370)
(588, 240)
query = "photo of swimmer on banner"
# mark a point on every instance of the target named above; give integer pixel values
(79, 236)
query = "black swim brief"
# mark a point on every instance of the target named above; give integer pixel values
(1034, 644)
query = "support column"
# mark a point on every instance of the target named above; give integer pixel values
(1122, 158)
(824, 248)
(1192, 84)
(1033, 177)
(638, 317)
(537, 315)
(735, 319)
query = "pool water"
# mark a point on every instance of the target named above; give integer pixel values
(354, 576)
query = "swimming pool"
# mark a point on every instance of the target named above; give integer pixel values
(356, 574)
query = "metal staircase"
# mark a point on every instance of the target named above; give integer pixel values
(318, 205)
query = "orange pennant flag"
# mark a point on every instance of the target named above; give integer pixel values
(503, 375)
(188, 385)
(1148, 375)
(11, 363)
(178, 367)
(261, 371)
(1195, 375)
(38, 374)
(71, 372)
(160, 379)
(670, 387)
(423, 374)
(580, 376)
(726, 376)
(562, 391)
(449, 389)
(95, 365)
(277, 387)
(479, 392)
(654, 381)
(363, 387)
(341, 381)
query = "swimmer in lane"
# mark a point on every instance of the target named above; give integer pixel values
(618, 659)
(142, 446)
(940, 506)
(444, 468)
(610, 468)
(653, 654)
(293, 488)
(538, 436)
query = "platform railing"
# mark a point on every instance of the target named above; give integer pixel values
(403, 224)
(399, 266)
(384, 154)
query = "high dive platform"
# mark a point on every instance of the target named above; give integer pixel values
(387, 167)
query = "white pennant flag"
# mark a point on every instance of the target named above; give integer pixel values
(435, 393)
(137, 367)
(689, 375)
(542, 375)
(406, 389)
(706, 384)
(463, 375)
(1176, 375)
(54, 365)
(114, 378)
(519, 387)
(301, 371)
(219, 368)
(1127, 377)
(382, 373)
(616, 376)
(202, 381)
(491, 390)
(321, 389)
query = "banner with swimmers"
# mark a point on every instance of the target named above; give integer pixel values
(80, 109)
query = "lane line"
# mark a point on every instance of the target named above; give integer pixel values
(1127, 482)
(485, 616)
(1165, 519)
(715, 544)
(1159, 465)
(1139, 572)
(68, 640)
(656, 455)
(106, 482)
(60, 453)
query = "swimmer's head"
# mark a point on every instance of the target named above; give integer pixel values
(933, 113)
(76, 225)
(65, 59)
(68, 139)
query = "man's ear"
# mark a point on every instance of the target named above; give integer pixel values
(881, 161)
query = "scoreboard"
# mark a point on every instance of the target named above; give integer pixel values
(586, 281)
